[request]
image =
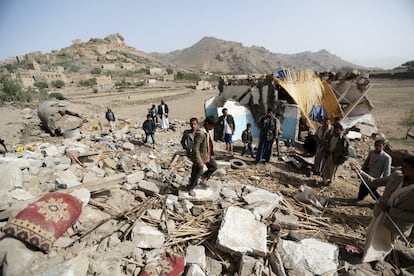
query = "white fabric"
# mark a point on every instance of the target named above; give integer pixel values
(164, 122)
(379, 238)
(227, 129)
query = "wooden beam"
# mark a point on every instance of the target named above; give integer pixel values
(354, 104)
(98, 184)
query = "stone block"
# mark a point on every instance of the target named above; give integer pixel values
(249, 266)
(251, 234)
(262, 202)
(135, 177)
(145, 236)
(196, 254)
(311, 255)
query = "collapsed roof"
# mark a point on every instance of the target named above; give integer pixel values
(333, 95)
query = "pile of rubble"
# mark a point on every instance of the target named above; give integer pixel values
(137, 220)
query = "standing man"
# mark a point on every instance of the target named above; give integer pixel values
(110, 117)
(247, 139)
(270, 129)
(4, 145)
(163, 112)
(377, 164)
(279, 123)
(153, 111)
(187, 140)
(149, 128)
(203, 154)
(336, 153)
(393, 212)
(227, 127)
(321, 136)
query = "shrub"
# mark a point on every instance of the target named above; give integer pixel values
(96, 71)
(55, 95)
(74, 68)
(9, 89)
(143, 71)
(408, 122)
(65, 64)
(41, 85)
(187, 76)
(58, 83)
(88, 82)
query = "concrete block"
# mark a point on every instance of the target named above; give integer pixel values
(251, 234)
(145, 236)
(196, 255)
(312, 255)
(262, 202)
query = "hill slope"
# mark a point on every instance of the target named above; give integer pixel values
(209, 54)
(212, 54)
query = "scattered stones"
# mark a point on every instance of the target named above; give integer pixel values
(135, 206)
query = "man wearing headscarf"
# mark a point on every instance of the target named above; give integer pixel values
(336, 152)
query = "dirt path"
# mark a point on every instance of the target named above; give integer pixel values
(133, 104)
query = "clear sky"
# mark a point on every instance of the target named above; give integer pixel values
(366, 32)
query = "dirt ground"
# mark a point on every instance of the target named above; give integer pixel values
(392, 100)
(347, 222)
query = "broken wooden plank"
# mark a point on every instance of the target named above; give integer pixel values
(98, 184)
(354, 104)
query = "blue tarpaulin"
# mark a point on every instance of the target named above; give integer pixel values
(317, 113)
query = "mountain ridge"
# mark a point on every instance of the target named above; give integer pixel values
(208, 54)
(217, 55)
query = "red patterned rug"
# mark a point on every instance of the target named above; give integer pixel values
(170, 264)
(44, 221)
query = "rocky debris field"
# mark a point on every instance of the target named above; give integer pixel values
(136, 218)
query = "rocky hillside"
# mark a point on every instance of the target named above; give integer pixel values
(209, 54)
(110, 53)
(212, 54)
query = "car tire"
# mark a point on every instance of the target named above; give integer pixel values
(238, 164)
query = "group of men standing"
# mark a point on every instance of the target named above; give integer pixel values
(270, 130)
(198, 143)
(155, 116)
(332, 150)
(393, 211)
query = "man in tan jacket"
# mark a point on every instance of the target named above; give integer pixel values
(203, 154)
(396, 204)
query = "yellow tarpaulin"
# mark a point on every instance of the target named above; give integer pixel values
(308, 90)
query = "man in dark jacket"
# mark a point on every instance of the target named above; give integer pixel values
(336, 152)
(247, 139)
(187, 140)
(149, 128)
(270, 129)
(110, 117)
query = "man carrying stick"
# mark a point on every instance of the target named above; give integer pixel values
(393, 212)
